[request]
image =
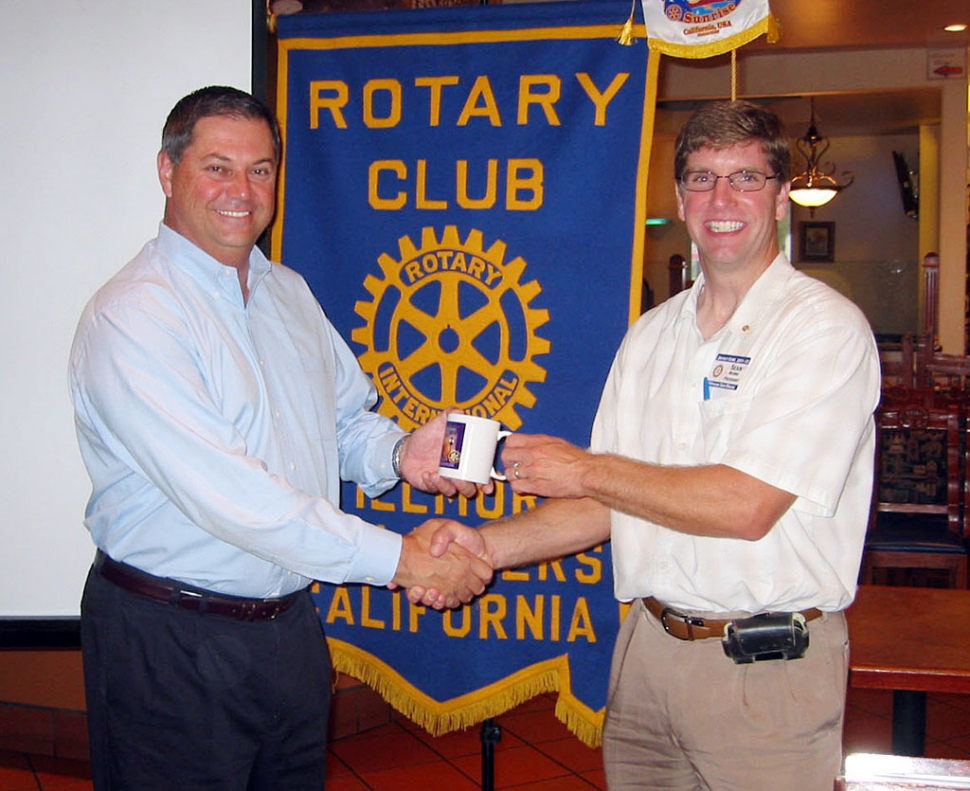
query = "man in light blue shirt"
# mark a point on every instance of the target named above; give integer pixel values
(217, 410)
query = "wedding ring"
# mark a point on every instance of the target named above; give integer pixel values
(515, 471)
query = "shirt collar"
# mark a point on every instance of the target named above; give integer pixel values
(212, 274)
(763, 292)
(754, 303)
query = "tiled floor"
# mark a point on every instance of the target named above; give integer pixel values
(536, 752)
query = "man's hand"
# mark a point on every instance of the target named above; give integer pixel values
(446, 536)
(421, 457)
(545, 466)
(454, 574)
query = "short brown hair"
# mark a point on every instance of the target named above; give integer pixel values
(214, 100)
(725, 124)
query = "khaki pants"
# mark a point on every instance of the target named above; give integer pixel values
(681, 715)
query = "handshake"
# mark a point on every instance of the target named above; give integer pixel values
(443, 564)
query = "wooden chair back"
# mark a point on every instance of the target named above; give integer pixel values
(919, 493)
(919, 465)
(898, 363)
(948, 373)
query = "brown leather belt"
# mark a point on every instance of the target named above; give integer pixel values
(689, 627)
(171, 592)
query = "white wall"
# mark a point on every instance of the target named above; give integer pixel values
(877, 261)
(85, 86)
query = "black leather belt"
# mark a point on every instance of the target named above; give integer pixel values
(689, 627)
(171, 592)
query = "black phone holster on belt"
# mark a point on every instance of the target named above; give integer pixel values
(766, 636)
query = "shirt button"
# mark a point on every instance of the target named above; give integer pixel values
(292, 465)
(369, 580)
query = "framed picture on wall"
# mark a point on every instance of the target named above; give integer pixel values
(816, 241)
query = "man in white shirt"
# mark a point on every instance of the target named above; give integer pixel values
(731, 464)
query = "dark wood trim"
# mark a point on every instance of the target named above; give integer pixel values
(27, 633)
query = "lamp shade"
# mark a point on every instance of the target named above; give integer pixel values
(814, 187)
(812, 197)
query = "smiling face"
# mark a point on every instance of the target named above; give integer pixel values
(222, 193)
(735, 232)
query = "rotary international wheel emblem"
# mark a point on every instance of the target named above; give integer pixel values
(451, 324)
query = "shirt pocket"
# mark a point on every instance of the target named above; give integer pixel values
(721, 422)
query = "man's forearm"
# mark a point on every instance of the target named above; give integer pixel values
(712, 500)
(554, 529)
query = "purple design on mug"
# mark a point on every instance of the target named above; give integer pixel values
(451, 447)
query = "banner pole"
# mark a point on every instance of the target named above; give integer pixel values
(491, 735)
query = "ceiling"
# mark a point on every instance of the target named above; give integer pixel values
(805, 24)
(834, 24)
(866, 24)
(822, 25)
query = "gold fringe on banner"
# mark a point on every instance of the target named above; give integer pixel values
(588, 732)
(438, 718)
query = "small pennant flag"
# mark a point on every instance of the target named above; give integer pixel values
(704, 28)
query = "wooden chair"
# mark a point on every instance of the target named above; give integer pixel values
(946, 373)
(923, 350)
(898, 363)
(917, 526)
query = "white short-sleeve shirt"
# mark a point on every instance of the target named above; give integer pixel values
(784, 392)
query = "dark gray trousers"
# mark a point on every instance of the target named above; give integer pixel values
(179, 700)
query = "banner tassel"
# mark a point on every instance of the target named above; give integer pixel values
(626, 32)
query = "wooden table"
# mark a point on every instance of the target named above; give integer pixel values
(912, 641)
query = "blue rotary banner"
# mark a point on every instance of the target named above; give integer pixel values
(464, 189)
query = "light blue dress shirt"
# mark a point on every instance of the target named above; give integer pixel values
(215, 432)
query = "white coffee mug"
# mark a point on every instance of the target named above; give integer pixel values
(468, 452)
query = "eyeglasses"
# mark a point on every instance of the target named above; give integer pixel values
(741, 180)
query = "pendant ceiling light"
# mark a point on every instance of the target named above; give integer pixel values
(815, 187)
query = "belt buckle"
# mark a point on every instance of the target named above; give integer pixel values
(188, 600)
(689, 621)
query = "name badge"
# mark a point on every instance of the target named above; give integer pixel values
(726, 373)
